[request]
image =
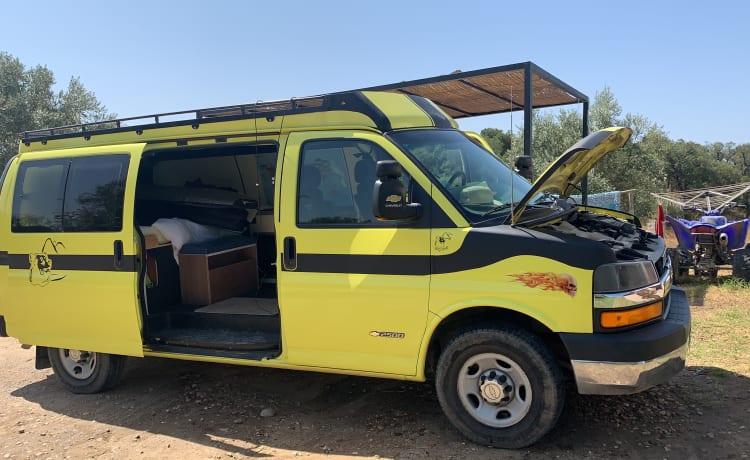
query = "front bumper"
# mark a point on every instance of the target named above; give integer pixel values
(632, 361)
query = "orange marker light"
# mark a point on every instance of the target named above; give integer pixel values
(620, 318)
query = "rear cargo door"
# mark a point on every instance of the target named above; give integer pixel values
(72, 261)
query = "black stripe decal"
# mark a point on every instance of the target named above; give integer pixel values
(440, 120)
(76, 262)
(364, 264)
(490, 245)
(482, 247)
(3, 257)
(358, 102)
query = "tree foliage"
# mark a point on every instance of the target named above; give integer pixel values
(499, 140)
(28, 101)
(649, 162)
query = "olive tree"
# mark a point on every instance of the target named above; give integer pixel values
(28, 101)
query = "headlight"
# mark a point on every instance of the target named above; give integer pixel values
(624, 276)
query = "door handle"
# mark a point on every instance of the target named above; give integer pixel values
(289, 259)
(118, 254)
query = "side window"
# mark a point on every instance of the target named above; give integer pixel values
(336, 182)
(82, 194)
(37, 201)
(95, 193)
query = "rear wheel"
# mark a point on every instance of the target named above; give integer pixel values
(86, 372)
(741, 264)
(500, 387)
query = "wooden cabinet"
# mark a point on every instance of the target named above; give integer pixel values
(210, 277)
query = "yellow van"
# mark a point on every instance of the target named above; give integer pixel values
(359, 233)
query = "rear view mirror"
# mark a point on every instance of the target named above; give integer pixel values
(389, 196)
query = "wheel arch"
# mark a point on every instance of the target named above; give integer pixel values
(480, 316)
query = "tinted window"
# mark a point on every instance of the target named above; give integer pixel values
(37, 202)
(92, 200)
(336, 182)
(94, 194)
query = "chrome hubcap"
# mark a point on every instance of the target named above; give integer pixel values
(496, 387)
(494, 390)
(78, 364)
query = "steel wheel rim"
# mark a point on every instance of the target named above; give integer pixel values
(482, 386)
(77, 363)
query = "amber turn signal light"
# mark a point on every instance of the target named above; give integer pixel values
(621, 318)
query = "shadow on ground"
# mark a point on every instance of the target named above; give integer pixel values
(219, 406)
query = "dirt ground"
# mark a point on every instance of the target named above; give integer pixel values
(174, 409)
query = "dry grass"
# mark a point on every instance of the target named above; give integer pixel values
(721, 320)
(721, 324)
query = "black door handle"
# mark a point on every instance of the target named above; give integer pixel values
(289, 259)
(118, 254)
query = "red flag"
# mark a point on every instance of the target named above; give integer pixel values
(659, 221)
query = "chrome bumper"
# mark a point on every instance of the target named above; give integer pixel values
(633, 361)
(605, 378)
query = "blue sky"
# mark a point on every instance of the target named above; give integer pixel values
(683, 65)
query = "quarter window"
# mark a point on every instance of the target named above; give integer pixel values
(37, 205)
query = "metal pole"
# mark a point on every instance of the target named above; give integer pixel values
(584, 133)
(527, 107)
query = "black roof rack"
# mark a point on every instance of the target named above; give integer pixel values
(184, 117)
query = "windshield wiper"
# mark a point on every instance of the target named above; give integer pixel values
(500, 208)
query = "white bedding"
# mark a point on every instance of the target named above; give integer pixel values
(183, 231)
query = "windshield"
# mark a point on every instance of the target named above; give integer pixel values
(476, 179)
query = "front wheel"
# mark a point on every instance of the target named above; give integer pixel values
(500, 387)
(86, 372)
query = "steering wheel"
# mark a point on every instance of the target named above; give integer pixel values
(455, 176)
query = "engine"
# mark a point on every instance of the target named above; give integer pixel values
(627, 240)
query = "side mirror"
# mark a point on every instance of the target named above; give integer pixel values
(389, 196)
(523, 166)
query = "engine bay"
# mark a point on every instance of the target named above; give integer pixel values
(628, 241)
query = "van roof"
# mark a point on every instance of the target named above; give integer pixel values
(355, 109)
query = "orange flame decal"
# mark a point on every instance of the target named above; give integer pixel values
(548, 281)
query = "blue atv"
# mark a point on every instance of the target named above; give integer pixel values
(708, 243)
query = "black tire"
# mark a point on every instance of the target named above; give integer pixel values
(473, 377)
(680, 272)
(741, 264)
(85, 372)
(675, 258)
(116, 375)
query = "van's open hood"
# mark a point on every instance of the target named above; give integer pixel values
(561, 177)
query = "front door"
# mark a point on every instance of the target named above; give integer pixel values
(353, 291)
(72, 262)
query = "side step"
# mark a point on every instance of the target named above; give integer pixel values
(217, 339)
(235, 354)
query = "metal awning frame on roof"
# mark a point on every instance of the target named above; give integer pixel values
(492, 90)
